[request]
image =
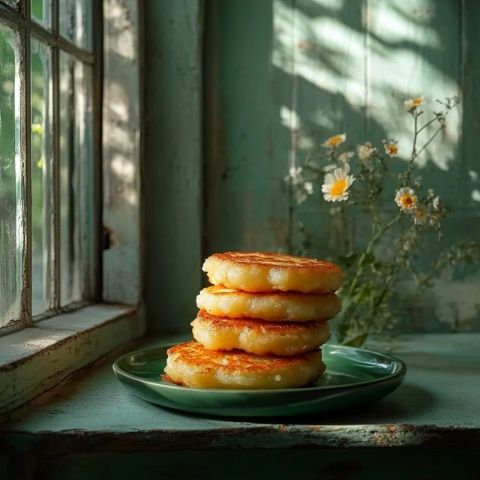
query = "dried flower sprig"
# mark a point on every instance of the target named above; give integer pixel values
(373, 271)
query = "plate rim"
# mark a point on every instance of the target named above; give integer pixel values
(230, 391)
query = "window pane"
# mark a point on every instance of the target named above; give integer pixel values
(40, 10)
(69, 235)
(11, 243)
(76, 21)
(75, 177)
(42, 153)
(84, 158)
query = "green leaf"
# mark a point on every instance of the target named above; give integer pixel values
(346, 301)
(348, 260)
(367, 259)
(363, 294)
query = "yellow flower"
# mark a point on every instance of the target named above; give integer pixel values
(406, 199)
(412, 103)
(334, 141)
(37, 128)
(336, 184)
(391, 148)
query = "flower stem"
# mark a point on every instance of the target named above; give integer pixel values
(427, 124)
(381, 231)
(415, 135)
(373, 241)
(431, 140)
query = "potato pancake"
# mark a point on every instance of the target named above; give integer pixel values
(259, 336)
(271, 272)
(190, 364)
(280, 306)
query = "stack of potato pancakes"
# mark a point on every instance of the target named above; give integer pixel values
(261, 323)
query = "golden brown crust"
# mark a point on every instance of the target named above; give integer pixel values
(194, 355)
(277, 260)
(259, 336)
(192, 365)
(260, 326)
(260, 272)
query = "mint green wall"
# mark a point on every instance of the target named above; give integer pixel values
(278, 74)
(173, 168)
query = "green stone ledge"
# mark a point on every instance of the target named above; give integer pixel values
(436, 407)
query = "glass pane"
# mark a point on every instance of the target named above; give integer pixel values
(42, 157)
(69, 235)
(76, 22)
(41, 11)
(11, 243)
(84, 158)
(75, 177)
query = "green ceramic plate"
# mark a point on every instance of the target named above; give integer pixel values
(354, 377)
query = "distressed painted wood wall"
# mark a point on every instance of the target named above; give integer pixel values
(278, 75)
(173, 165)
(283, 74)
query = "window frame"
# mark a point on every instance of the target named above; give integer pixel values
(20, 19)
(99, 326)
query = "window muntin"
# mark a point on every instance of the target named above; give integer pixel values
(47, 216)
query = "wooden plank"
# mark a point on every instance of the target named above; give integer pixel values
(92, 425)
(355, 64)
(414, 49)
(422, 52)
(122, 280)
(301, 463)
(469, 175)
(330, 72)
(246, 146)
(94, 411)
(173, 178)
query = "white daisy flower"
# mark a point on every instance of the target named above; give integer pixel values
(365, 151)
(329, 167)
(345, 157)
(391, 148)
(336, 184)
(406, 199)
(334, 141)
(412, 103)
(294, 175)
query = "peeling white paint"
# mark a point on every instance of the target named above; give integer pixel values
(457, 302)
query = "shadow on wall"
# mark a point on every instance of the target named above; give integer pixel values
(121, 137)
(336, 66)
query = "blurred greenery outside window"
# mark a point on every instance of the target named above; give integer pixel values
(48, 158)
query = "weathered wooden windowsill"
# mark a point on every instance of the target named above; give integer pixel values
(436, 408)
(35, 359)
